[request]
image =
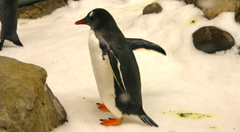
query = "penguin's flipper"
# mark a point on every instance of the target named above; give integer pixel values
(117, 74)
(141, 43)
(102, 107)
(111, 121)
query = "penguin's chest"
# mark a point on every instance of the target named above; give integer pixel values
(103, 74)
(101, 67)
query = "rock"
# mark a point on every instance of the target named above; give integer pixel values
(237, 15)
(191, 2)
(212, 39)
(26, 102)
(211, 8)
(152, 8)
(40, 9)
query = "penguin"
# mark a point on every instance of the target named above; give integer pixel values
(8, 18)
(115, 67)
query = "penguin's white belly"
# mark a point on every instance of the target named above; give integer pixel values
(103, 75)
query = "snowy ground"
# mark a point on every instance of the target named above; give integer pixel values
(185, 91)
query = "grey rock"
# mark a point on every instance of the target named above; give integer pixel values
(22, 3)
(152, 8)
(212, 39)
(26, 102)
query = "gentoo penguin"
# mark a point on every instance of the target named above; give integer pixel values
(8, 18)
(115, 68)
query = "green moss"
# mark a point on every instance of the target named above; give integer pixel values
(188, 115)
(23, 23)
(193, 115)
(192, 22)
(212, 127)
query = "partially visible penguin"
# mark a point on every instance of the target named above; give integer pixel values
(8, 18)
(115, 67)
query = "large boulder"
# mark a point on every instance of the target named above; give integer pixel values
(26, 102)
(40, 9)
(212, 39)
(211, 8)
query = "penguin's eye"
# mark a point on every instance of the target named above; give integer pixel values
(91, 13)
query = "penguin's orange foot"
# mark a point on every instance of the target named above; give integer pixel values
(111, 121)
(102, 107)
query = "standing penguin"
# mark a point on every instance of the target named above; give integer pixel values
(115, 67)
(8, 18)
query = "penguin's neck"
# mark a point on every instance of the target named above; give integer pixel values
(110, 37)
(101, 38)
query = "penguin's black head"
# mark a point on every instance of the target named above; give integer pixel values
(97, 18)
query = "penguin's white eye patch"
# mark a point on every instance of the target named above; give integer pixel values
(91, 13)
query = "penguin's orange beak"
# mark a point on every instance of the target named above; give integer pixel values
(80, 22)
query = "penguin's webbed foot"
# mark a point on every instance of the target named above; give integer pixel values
(111, 121)
(102, 107)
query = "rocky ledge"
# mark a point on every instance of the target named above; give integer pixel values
(40, 9)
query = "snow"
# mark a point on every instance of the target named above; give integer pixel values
(185, 81)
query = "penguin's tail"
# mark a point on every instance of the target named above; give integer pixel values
(147, 120)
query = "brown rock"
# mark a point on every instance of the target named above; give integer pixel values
(212, 39)
(40, 9)
(191, 2)
(152, 8)
(26, 102)
(237, 15)
(215, 7)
